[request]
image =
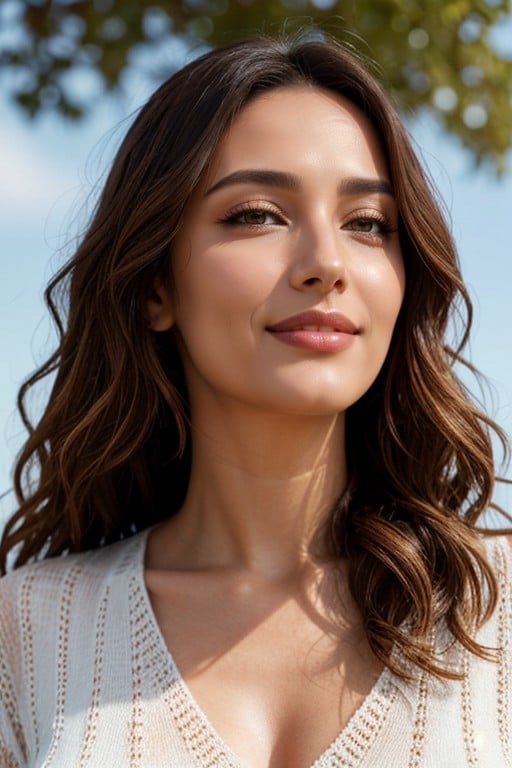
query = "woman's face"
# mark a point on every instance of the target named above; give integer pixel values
(295, 216)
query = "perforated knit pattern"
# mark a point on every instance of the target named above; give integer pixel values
(63, 651)
(467, 715)
(8, 709)
(420, 724)
(27, 644)
(505, 656)
(352, 745)
(86, 681)
(94, 712)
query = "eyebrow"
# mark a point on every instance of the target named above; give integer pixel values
(351, 186)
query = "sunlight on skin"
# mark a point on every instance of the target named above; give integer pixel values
(322, 242)
(268, 388)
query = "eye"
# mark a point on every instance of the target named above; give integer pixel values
(255, 217)
(373, 226)
(252, 215)
(366, 225)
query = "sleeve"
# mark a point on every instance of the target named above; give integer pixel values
(13, 752)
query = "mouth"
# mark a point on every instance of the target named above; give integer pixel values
(316, 321)
(316, 331)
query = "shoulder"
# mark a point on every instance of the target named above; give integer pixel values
(496, 632)
(39, 599)
(93, 562)
(52, 614)
(44, 576)
(498, 551)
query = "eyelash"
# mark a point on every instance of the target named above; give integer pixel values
(385, 227)
(232, 219)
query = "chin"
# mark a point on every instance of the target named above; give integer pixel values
(294, 403)
(316, 398)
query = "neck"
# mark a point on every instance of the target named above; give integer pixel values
(260, 490)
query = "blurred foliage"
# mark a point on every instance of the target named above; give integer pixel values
(430, 53)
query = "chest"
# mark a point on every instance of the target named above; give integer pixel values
(116, 694)
(277, 679)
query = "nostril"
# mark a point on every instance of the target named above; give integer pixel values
(311, 280)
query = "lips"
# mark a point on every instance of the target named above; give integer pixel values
(316, 321)
(315, 331)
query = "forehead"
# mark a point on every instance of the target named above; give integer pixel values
(300, 128)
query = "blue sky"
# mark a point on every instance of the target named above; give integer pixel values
(48, 169)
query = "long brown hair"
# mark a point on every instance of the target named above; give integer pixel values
(110, 455)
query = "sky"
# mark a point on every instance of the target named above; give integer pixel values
(50, 168)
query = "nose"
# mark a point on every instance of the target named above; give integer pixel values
(318, 263)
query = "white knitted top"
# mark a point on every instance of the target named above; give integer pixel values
(86, 681)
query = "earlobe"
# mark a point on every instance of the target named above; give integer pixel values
(159, 311)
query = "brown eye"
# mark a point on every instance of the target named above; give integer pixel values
(371, 226)
(254, 217)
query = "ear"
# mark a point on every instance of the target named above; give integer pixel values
(159, 309)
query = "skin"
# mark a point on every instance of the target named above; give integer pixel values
(239, 575)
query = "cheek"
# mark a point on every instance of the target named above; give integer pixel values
(382, 287)
(223, 285)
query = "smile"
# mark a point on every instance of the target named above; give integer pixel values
(316, 331)
(316, 320)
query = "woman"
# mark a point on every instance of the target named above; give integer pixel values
(257, 459)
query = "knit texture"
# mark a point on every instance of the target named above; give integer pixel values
(86, 681)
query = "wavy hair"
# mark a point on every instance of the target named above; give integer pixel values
(111, 455)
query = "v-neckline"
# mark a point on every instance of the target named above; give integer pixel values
(347, 749)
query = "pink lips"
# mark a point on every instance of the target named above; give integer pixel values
(316, 330)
